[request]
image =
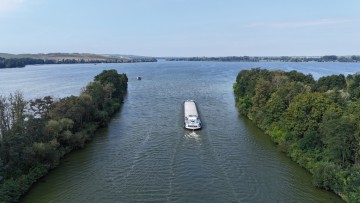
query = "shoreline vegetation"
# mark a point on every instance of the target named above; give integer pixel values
(36, 134)
(316, 123)
(328, 58)
(21, 60)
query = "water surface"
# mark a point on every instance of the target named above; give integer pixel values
(145, 155)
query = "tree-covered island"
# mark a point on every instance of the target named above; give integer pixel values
(36, 134)
(315, 122)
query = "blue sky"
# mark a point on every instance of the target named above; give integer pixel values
(181, 27)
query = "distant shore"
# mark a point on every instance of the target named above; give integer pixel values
(21, 60)
(329, 58)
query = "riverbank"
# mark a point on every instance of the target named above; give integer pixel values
(314, 122)
(36, 134)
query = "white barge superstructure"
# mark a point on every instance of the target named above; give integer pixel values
(192, 119)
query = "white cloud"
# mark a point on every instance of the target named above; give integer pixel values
(299, 24)
(9, 5)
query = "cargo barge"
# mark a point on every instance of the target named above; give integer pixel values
(192, 119)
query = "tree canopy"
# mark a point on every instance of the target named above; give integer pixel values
(314, 122)
(35, 134)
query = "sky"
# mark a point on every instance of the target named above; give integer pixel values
(181, 27)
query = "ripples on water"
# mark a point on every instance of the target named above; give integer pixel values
(192, 136)
(145, 155)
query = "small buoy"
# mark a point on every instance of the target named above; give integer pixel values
(138, 78)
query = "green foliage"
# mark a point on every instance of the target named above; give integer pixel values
(247, 79)
(308, 108)
(13, 188)
(330, 58)
(277, 134)
(315, 122)
(300, 77)
(352, 185)
(274, 109)
(290, 90)
(97, 92)
(339, 97)
(18, 62)
(40, 107)
(119, 82)
(34, 142)
(325, 175)
(331, 82)
(354, 86)
(339, 138)
(262, 94)
(244, 104)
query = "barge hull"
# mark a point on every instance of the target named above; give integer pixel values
(191, 116)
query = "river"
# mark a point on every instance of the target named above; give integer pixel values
(145, 154)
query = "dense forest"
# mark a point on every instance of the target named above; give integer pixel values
(35, 134)
(315, 122)
(20, 62)
(329, 58)
(15, 62)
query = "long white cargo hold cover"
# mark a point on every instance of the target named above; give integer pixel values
(192, 118)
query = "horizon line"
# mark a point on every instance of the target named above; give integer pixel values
(195, 56)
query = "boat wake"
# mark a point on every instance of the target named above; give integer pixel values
(192, 135)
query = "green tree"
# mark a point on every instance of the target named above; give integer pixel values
(36, 134)
(353, 114)
(97, 93)
(316, 123)
(41, 107)
(338, 137)
(246, 81)
(352, 187)
(305, 113)
(18, 104)
(5, 116)
(119, 81)
(274, 109)
(325, 175)
(331, 82)
(290, 90)
(263, 91)
(300, 77)
(244, 104)
(354, 86)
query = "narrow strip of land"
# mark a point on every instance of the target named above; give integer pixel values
(314, 122)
